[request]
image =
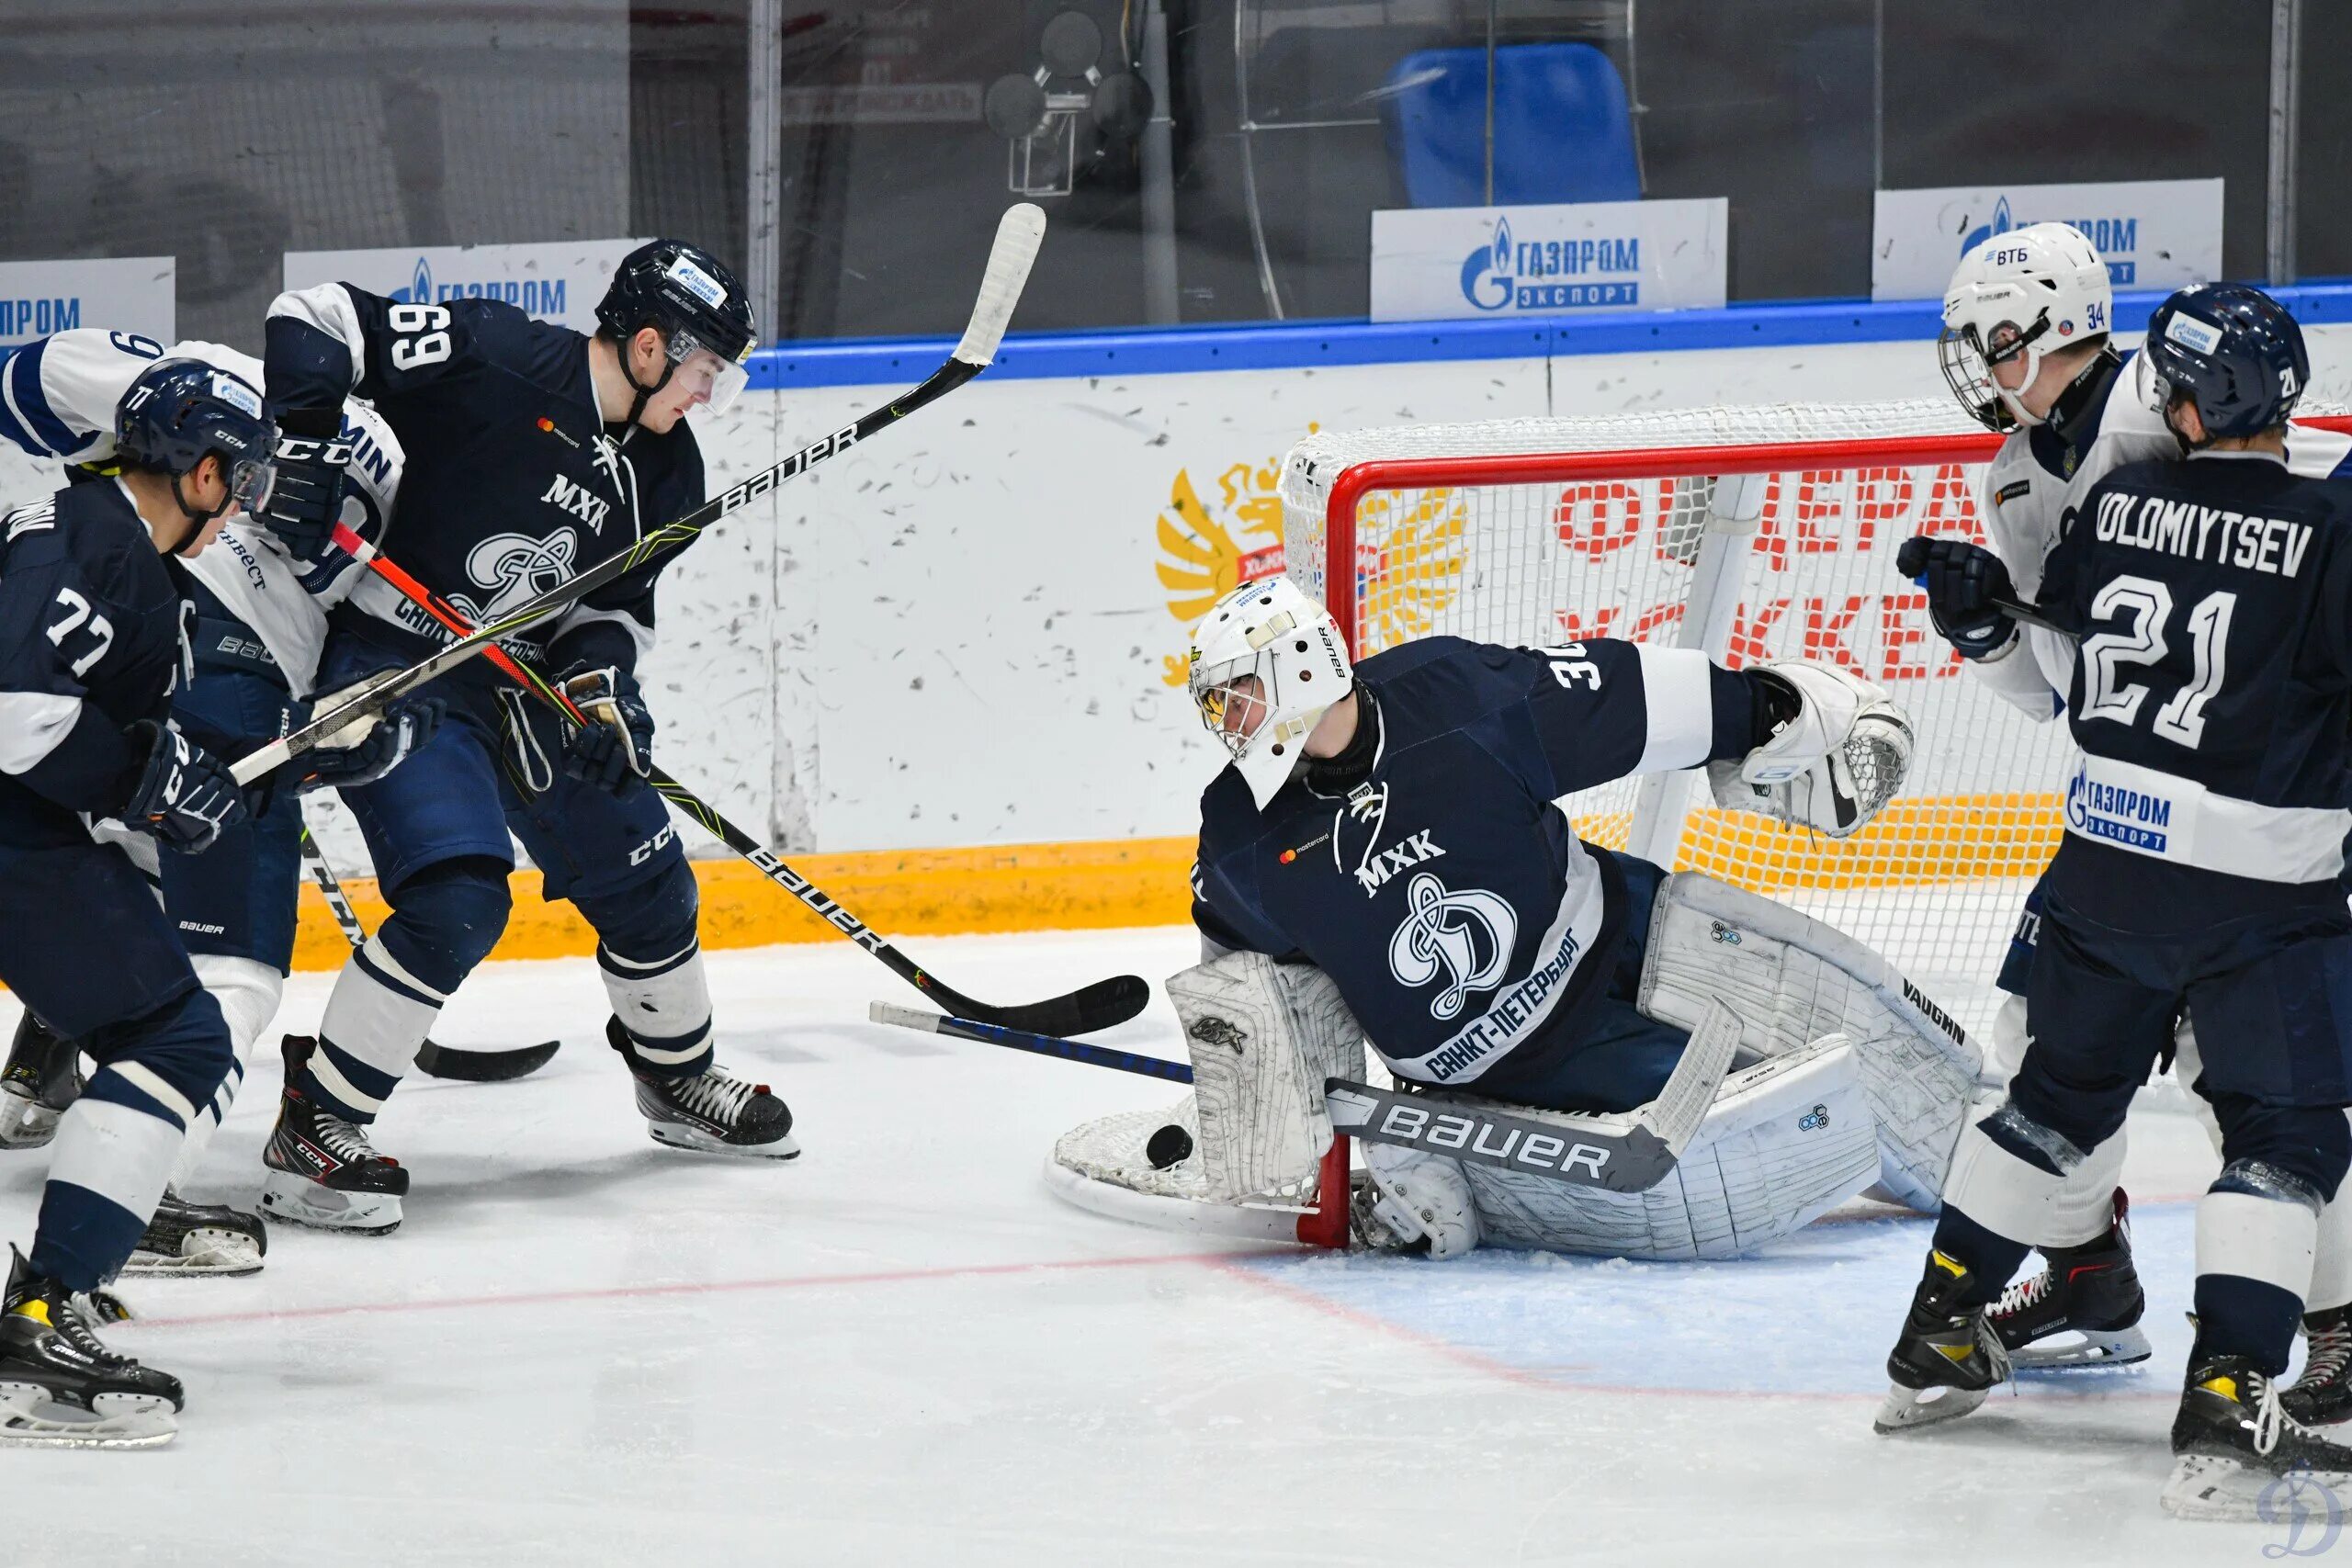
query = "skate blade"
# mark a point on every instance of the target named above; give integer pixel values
(681, 1137)
(29, 1418)
(298, 1201)
(2208, 1487)
(1907, 1409)
(25, 1124)
(2103, 1347)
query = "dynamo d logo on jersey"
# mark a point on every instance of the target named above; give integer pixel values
(516, 568)
(542, 297)
(2117, 240)
(1464, 938)
(1551, 275)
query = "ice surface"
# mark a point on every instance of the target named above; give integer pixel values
(583, 1349)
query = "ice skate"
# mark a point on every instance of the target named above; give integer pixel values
(2323, 1395)
(43, 1077)
(60, 1384)
(200, 1239)
(2081, 1309)
(714, 1112)
(1946, 1360)
(2235, 1442)
(323, 1171)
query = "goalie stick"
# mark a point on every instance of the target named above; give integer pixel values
(1082, 1011)
(1018, 235)
(1631, 1152)
(441, 1061)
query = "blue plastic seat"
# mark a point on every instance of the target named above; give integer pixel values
(1563, 131)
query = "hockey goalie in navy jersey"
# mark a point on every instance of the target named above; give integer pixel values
(1384, 861)
(2200, 872)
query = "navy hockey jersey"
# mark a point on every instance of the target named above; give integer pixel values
(1446, 894)
(2211, 692)
(513, 482)
(92, 639)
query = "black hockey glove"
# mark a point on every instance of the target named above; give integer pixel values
(614, 750)
(384, 742)
(1962, 581)
(306, 503)
(186, 797)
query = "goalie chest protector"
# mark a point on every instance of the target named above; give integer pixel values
(1442, 889)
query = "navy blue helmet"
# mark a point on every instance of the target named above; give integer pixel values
(180, 412)
(689, 295)
(2234, 352)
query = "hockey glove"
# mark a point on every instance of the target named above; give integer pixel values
(614, 750)
(186, 797)
(1962, 581)
(307, 501)
(365, 751)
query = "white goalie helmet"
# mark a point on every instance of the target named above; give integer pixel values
(1266, 662)
(2021, 294)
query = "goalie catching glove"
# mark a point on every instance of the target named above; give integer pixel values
(1838, 755)
(614, 750)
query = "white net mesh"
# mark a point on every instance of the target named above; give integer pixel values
(1935, 884)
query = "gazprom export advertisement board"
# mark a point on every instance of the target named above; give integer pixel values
(2151, 233)
(1563, 259)
(124, 294)
(558, 282)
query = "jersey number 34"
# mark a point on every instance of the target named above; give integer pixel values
(2145, 606)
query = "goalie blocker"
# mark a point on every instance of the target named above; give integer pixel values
(1815, 1072)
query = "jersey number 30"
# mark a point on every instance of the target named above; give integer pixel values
(2146, 606)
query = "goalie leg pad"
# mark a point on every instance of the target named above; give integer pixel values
(1792, 980)
(1263, 1036)
(1785, 1141)
(1423, 1196)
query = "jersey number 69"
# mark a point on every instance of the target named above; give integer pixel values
(427, 341)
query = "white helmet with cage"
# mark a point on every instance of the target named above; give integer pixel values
(1266, 662)
(2023, 293)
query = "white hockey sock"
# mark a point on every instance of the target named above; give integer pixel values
(376, 1017)
(247, 991)
(665, 1006)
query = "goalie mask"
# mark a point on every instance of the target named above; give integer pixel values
(1266, 662)
(2016, 297)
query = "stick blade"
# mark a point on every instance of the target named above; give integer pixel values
(1018, 234)
(1083, 1011)
(904, 1018)
(484, 1066)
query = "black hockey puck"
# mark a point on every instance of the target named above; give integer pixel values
(1167, 1145)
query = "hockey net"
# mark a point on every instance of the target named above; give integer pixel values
(1750, 533)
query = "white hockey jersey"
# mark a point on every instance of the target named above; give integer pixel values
(2042, 473)
(57, 397)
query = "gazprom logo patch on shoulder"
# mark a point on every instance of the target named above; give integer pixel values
(698, 283)
(2192, 334)
(1551, 275)
(2130, 819)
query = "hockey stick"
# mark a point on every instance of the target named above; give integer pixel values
(1629, 1152)
(441, 1061)
(1017, 238)
(1082, 1011)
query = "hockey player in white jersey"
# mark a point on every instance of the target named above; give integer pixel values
(2026, 350)
(1385, 847)
(255, 634)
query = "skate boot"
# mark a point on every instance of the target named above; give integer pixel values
(714, 1112)
(60, 1384)
(200, 1239)
(323, 1171)
(1948, 1358)
(2087, 1300)
(42, 1077)
(2235, 1445)
(2323, 1395)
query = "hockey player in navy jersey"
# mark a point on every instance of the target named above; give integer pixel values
(2211, 698)
(1384, 861)
(259, 624)
(533, 454)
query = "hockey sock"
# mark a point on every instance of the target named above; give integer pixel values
(2253, 1263)
(1988, 1256)
(247, 991)
(448, 917)
(651, 961)
(115, 1146)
